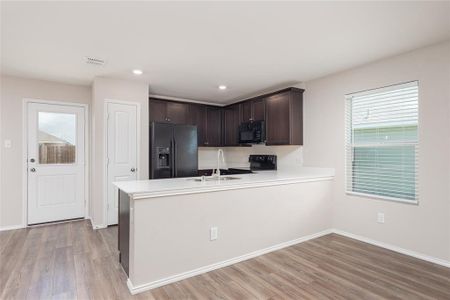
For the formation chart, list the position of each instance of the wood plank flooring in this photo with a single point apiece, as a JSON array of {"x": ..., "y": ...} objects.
[{"x": 71, "y": 261}]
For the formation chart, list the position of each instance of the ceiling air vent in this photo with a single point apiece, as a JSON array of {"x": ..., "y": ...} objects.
[{"x": 94, "y": 61}]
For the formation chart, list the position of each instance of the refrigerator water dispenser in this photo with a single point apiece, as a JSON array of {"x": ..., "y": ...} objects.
[{"x": 163, "y": 154}]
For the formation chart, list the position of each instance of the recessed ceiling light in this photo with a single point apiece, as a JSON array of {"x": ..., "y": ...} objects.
[
  {"x": 222, "y": 87},
  {"x": 137, "y": 72}
]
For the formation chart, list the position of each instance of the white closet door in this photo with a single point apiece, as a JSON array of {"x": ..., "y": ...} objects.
[{"x": 122, "y": 151}]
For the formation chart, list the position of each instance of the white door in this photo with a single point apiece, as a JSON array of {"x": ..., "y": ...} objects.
[
  {"x": 122, "y": 151},
  {"x": 55, "y": 162}
]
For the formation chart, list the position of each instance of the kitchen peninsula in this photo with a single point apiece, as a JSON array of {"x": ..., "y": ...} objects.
[{"x": 171, "y": 229}]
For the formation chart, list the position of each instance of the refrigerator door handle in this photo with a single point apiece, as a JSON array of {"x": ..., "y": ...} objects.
[
  {"x": 171, "y": 159},
  {"x": 175, "y": 158}
]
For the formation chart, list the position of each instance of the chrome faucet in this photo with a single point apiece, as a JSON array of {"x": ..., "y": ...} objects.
[{"x": 219, "y": 152}]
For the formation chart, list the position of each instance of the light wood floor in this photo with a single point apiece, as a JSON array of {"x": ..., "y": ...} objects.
[{"x": 68, "y": 261}]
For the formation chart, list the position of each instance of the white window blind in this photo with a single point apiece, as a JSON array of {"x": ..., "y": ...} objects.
[{"x": 382, "y": 142}]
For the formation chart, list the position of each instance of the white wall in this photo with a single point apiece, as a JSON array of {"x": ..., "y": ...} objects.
[
  {"x": 13, "y": 91},
  {"x": 287, "y": 156},
  {"x": 424, "y": 228},
  {"x": 248, "y": 220},
  {"x": 122, "y": 90}
]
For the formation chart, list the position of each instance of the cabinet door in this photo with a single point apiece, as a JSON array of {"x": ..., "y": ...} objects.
[
  {"x": 246, "y": 111},
  {"x": 253, "y": 110},
  {"x": 213, "y": 126},
  {"x": 177, "y": 112},
  {"x": 277, "y": 128},
  {"x": 197, "y": 117},
  {"x": 258, "y": 110},
  {"x": 231, "y": 125},
  {"x": 157, "y": 110}
]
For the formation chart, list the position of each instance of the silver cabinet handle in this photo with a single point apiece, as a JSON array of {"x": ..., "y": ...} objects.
[
  {"x": 32, "y": 170},
  {"x": 133, "y": 170}
]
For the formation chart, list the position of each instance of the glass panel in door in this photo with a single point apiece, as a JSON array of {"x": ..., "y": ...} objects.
[{"x": 57, "y": 138}]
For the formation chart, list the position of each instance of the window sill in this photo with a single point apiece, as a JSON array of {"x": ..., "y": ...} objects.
[{"x": 413, "y": 202}]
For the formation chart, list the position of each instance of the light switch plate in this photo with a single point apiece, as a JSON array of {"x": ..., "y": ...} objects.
[
  {"x": 8, "y": 144},
  {"x": 213, "y": 233},
  {"x": 380, "y": 218}
]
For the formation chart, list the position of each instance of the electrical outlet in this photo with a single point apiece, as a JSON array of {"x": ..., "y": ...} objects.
[
  {"x": 380, "y": 218},
  {"x": 213, "y": 233}
]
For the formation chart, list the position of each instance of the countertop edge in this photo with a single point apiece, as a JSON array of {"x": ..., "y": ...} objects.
[{"x": 206, "y": 189}]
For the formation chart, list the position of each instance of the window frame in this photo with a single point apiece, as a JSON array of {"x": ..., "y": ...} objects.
[{"x": 349, "y": 145}]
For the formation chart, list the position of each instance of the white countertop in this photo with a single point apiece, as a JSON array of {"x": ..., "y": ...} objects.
[{"x": 140, "y": 189}]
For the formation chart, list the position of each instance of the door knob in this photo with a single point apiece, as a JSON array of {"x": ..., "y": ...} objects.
[
  {"x": 133, "y": 170},
  {"x": 32, "y": 170},
  {"x": 32, "y": 160}
]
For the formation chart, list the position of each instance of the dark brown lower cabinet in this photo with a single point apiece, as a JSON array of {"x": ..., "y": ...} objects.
[
  {"x": 231, "y": 120},
  {"x": 124, "y": 231}
]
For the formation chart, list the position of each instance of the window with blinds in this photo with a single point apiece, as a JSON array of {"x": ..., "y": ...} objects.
[{"x": 382, "y": 142}]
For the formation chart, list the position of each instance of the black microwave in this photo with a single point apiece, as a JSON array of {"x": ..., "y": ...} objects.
[{"x": 252, "y": 132}]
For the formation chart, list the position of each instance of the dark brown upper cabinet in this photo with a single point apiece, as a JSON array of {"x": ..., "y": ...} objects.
[
  {"x": 231, "y": 121},
  {"x": 208, "y": 120},
  {"x": 177, "y": 113},
  {"x": 168, "y": 111},
  {"x": 157, "y": 110},
  {"x": 284, "y": 117},
  {"x": 219, "y": 126},
  {"x": 213, "y": 126},
  {"x": 253, "y": 110},
  {"x": 197, "y": 117}
]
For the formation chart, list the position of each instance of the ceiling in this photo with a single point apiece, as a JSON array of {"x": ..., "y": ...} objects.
[{"x": 186, "y": 49}]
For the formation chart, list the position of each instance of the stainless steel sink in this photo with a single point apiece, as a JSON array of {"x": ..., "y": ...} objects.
[
  {"x": 228, "y": 178},
  {"x": 221, "y": 178}
]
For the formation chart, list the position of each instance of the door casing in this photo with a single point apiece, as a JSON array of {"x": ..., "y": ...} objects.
[{"x": 25, "y": 103}]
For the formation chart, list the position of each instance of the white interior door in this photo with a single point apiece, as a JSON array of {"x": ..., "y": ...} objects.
[
  {"x": 55, "y": 162},
  {"x": 122, "y": 151}
]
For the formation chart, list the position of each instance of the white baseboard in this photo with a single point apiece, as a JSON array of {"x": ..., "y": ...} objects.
[
  {"x": 171, "y": 279},
  {"x": 99, "y": 226},
  {"x": 12, "y": 227},
  {"x": 414, "y": 254}
]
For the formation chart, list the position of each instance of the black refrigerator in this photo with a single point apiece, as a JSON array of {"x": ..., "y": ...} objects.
[{"x": 173, "y": 150}]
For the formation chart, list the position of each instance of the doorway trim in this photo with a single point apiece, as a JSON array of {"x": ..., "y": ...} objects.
[
  {"x": 25, "y": 103},
  {"x": 105, "y": 159}
]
